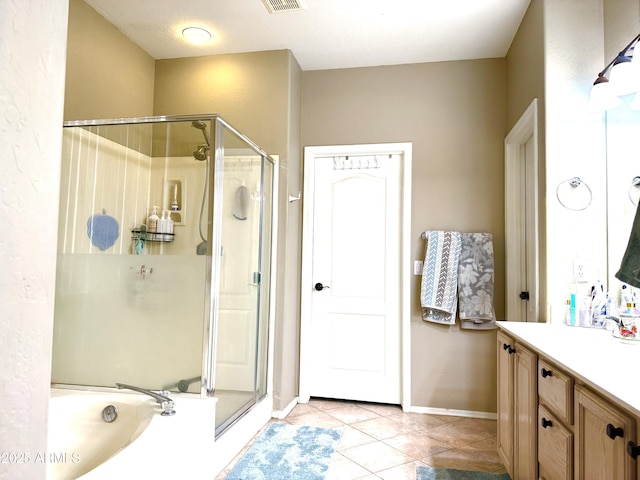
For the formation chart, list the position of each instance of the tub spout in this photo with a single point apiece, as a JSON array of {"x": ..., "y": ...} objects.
[{"x": 165, "y": 402}]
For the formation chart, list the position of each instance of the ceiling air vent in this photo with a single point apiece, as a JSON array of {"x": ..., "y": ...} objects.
[{"x": 279, "y": 6}]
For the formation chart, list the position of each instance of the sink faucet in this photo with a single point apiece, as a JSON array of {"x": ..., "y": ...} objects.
[{"x": 165, "y": 402}]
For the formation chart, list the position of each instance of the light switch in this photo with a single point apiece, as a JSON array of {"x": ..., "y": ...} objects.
[{"x": 417, "y": 267}]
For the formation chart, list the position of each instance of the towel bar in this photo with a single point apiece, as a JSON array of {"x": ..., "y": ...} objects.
[{"x": 425, "y": 234}]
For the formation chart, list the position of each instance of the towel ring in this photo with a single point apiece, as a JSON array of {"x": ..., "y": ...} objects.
[
  {"x": 635, "y": 183},
  {"x": 574, "y": 184}
]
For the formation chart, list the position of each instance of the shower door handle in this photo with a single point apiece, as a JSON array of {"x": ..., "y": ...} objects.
[
  {"x": 257, "y": 278},
  {"x": 319, "y": 287}
]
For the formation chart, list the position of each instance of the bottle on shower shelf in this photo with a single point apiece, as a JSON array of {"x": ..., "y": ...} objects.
[
  {"x": 162, "y": 224},
  {"x": 152, "y": 221},
  {"x": 174, "y": 203},
  {"x": 167, "y": 226}
]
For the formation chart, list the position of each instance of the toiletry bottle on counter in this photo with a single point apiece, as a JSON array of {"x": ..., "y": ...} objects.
[
  {"x": 567, "y": 312},
  {"x": 625, "y": 295},
  {"x": 152, "y": 221}
]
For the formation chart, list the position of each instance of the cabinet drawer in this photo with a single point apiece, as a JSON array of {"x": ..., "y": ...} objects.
[
  {"x": 555, "y": 391},
  {"x": 555, "y": 447}
]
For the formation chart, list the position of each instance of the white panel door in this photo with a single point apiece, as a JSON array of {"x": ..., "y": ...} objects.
[{"x": 355, "y": 300}]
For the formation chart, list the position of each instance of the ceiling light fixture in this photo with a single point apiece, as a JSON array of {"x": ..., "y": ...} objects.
[
  {"x": 623, "y": 78},
  {"x": 196, "y": 35}
]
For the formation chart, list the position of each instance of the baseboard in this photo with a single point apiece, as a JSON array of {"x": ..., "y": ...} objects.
[
  {"x": 454, "y": 413},
  {"x": 281, "y": 414}
]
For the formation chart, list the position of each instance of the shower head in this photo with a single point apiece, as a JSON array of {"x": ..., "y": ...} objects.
[
  {"x": 200, "y": 125},
  {"x": 201, "y": 153}
]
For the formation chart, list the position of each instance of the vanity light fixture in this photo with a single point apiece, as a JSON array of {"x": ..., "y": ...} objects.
[
  {"x": 196, "y": 35},
  {"x": 620, "y": 77}
]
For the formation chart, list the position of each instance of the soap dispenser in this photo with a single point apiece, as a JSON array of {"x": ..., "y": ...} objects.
[{"x": 152, "y": 221}]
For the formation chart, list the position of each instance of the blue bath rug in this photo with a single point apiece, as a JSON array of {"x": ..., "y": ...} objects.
[
  {"x": 431, "y": 473},
  {"x": 286, "y": 451}
]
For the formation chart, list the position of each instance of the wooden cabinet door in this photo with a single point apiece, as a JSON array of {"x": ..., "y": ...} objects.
[
  {"x": 597, "y": 455},
  {"x": 525, "y": 455},
  {"x": 505, "y": 349},
  {"x": 555, "y": 447}
]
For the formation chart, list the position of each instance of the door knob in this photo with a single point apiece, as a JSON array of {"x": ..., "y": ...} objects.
[{"x": 319, "y": 287}]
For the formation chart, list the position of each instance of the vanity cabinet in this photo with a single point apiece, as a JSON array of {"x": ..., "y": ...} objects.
[
  {"x": 554, "y": 423},
  {"x": 517, "y": 408}
]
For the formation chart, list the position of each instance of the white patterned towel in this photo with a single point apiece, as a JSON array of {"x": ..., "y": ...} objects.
[
  {"x": 475, "y": 282},
  {"x": 438, "y": 292}
]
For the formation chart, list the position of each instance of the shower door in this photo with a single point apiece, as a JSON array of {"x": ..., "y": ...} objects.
[
  {"x": 186, "y": 311},
  {"x": 241, "y": 321}
]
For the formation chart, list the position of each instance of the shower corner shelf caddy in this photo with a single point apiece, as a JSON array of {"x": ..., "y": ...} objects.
[{"x": 152, "y": 236}]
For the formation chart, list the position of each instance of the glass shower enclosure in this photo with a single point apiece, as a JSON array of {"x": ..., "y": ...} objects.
[{"x": 175, "y": 300}]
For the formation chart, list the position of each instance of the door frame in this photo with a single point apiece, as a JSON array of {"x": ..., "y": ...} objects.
[
  {"x": 515, "y": 169},
  {"x": 310, "y": 155}
]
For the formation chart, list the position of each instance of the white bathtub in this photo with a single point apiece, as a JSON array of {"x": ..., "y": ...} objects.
[
  {"x": 143, "y": 443},
  {"x": 146, "y": 445},
  {"x": 80, "y": 439}
]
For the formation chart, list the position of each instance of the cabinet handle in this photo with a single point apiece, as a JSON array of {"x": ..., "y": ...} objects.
[
  {"x": 511, "y": 350},
  {"x": 633, "y": 450},
  {"x": 508, "y": 348},
  {"x": 546, "y": 373},
  {"x": 546, "y": 423},
  {"x": 613, "y": 432}
]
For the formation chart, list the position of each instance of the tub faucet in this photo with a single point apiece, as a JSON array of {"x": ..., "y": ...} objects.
[{"x": 165, "y": 402}]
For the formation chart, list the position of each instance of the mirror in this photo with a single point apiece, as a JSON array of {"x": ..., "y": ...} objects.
[{"x": 623, "y": 182}]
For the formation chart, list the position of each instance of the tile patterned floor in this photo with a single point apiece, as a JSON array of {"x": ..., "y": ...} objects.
[{"x": 383, "y": 442}]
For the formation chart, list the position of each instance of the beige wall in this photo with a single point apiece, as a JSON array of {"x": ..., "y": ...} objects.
[
  {"x": 287, "y": 331},
  {"x": 621, "y": 24},
  {"x": 525, "y": 66},
  {"x": 97, "y": 56},
  {"x": 454, "y": 113},
  {"x": 525, "y": 82},
  {"x": 248, "y": 90}
]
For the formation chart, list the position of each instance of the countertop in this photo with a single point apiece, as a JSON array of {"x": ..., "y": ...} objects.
[{"x": 590, "y": 355}]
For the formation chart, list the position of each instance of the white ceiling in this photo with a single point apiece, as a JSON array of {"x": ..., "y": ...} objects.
[{"x": 329, "y": 34}]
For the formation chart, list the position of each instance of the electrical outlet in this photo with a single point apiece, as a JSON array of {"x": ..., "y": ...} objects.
[
  {"x": 579, "y": 272},
  {"x": 417, "y": 267}
]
